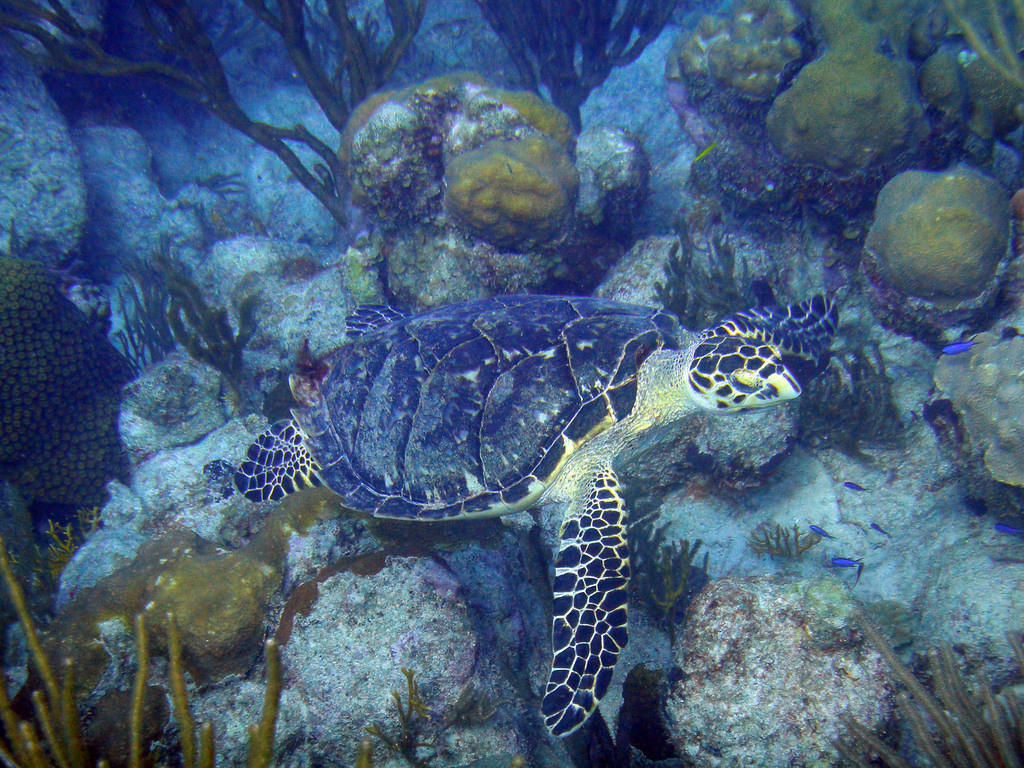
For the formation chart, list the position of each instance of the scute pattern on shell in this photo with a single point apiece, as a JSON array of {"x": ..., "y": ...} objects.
[{"x": 452, "y": 412}]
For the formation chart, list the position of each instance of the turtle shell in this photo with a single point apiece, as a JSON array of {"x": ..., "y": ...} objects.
[{"x": 470, "y": 409}]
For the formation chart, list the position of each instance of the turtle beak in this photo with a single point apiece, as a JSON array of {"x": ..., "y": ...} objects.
[{"x": 759, "y": 391}]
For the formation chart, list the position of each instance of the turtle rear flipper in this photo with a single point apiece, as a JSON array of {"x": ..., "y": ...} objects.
[
  {"x": 277, "y": 463},
  {"x": 589, "y": 613}
]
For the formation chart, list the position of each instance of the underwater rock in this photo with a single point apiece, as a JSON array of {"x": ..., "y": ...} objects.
[
  {"x": 769, "y": 667},
  {"x": 299, "y": 295},
  {"x": 614, "y": 173},
  {"x": 973, "y": 601},
  {"x": 173, "y": 402},
  {"x": 635, "y": 276},
  {"x": 986, "y": 389},
  {"x": 180, "y": 488},
  {"x": 346, "y": 650},
  {"x": 129, "y": 218},
  {"x": 428, "y": 269},
  {"x": 935, "y": 249},
  {"x": 42, "y": 192}
]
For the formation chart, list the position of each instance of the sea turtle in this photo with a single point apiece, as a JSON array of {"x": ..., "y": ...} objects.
[{"x": 480, "y": 409}]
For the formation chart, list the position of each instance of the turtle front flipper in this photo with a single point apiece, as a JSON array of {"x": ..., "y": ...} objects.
[
  {"x": 277, "y": 463},
  {"x": 589, "y": 615}
]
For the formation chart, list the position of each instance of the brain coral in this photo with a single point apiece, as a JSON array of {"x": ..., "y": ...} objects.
[
  {"x": 849, "y": 109},
  {"x": 939, "y": 235},
  {"x": 59, "y": 393},
  {"x": 987, "y": 388},
  {"x": 512, "y": 193}
]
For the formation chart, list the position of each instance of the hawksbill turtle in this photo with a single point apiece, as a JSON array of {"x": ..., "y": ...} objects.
[{"x": 487, "y": 407}]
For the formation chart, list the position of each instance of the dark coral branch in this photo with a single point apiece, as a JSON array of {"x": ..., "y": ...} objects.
[{"x": 544, "y": 50}]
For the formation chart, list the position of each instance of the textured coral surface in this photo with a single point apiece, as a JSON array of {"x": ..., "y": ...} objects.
[
  {"x": 59, "y": 393},
  {"x": 940, "y": 234}
]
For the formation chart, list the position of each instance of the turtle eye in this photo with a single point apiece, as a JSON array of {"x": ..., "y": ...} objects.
[{"x": 746, "y": 381}]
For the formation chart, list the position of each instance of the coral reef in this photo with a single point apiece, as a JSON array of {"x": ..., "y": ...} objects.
[
  {"x": 398, "y": 145},
  {"x": 770, "y": 669},
  {"x": 449, "y": 158},
  {"x": 59, "y": 394},
  {"x": 614, "y": 173},
  {"x": 831, "y": 107}
]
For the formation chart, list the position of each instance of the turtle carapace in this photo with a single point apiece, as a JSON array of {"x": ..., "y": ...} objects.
[{"x": 480, "y": 409}]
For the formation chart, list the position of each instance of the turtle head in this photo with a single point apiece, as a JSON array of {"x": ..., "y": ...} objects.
[{"x": 731, "y": 373}]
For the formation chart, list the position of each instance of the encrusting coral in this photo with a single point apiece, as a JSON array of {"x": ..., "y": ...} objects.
[{"x": 55, "y": 738}]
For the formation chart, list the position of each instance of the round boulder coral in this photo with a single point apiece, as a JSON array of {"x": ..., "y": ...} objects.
[
  {"x": 939, "y": 235},
  {"x": 513, "y": 193},
  {"x": 850, "y": 109}
]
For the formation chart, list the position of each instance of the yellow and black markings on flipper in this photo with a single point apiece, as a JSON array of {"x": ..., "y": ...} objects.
[
  {"x": 589, "y": 616},
  {"x": 276, "y": 464},
  {"x": 803, "y": 329}
]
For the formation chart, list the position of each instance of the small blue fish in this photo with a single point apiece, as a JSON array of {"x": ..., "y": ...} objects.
[
  {"x": 957, "y": 347},
  {"x": 1004, "y": 528},
  {"x": 854, "y": 486},
  {"x": 821, "y": 531},
  {"x": 880, "y": 529},
  {"x": 848, "y": 562}
]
